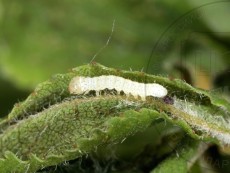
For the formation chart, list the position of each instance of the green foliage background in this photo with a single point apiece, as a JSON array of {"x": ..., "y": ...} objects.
[{"x": 42, "y": 38}]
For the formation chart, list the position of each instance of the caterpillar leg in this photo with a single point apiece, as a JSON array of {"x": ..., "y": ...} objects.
[{"x": 97, "y": 93}]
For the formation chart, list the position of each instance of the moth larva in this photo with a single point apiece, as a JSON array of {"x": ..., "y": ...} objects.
[{"x": 80, "y": 85}]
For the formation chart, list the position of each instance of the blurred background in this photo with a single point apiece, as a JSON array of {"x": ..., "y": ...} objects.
[{"x": 188, "y": 40}]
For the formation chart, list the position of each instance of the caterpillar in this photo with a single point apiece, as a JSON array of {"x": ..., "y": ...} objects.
[{"x": 81, "y": 85}]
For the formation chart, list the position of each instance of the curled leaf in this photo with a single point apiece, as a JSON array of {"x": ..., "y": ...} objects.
[{"x": 52, "y": 126}]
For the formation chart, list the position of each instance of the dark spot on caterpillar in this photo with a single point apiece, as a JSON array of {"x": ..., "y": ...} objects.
[
  {"x": 168, "y": 100},
  {"x": 107, "y": 91},
  {"x": 122, "y": 93}
]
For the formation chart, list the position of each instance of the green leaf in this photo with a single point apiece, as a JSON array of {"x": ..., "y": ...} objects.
[
  {"x": 52, "y": 126},
  {"x": 183, "y": 157}
]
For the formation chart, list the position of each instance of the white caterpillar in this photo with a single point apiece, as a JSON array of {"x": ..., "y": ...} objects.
[{"x": 80, "y": 85}]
